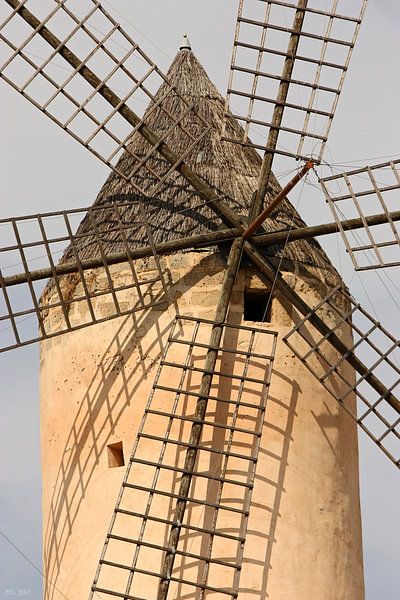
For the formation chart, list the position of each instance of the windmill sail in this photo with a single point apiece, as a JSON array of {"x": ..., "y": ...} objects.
[
  {"x": 31, "y": 248},
  {"x": 223, "y": 479},
  {"x": 377, "y": 414},
  {"x": 290, "y": 58},
  {"x": 191, "y": 214},
  {"x": 364, "y": 193},
  {"x": 76, "y": 64}
]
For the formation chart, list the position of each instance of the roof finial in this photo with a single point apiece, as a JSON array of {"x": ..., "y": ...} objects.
[{"x": 185, "y": 43}]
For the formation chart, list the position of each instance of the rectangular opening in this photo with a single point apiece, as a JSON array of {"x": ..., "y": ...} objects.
[
  {"x": 257, "y": 306},
  {"x": 115, "y": 455}
]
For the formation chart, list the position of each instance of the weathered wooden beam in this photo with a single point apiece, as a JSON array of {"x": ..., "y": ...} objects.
[
  {"x": 195, "y": 241},
  {"x": 277, "y": 116},
  {"x": 280, "y": 237},
  {"x": 201, "y": 241},
  {"x": 230, "y": 274}
]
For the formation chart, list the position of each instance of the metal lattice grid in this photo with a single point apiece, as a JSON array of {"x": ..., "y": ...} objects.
[
  {"x": 75, "y": 63},
  {"x": 261, "y": 51},
  {"x": 80, "y": 291},
  {"x": 362, "y": 193},
  {"x": 213, "y": 532},
  {"x": 378, "y": 415}
]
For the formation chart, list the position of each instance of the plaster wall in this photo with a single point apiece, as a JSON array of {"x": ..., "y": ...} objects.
[{"x": 303, "y": 534}]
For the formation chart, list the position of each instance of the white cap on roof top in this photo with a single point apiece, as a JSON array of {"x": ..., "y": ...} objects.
[{"x": 185, "y": 43}]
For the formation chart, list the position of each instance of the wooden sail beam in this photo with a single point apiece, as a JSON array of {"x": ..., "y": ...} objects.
[
  {"x": 304, "y": 233},
  {"x": 221, "y": 312},
  {"x": 202, "y": 240},
  {"x": 276, "y": 122},
  {"x": 195, "y": 241}
]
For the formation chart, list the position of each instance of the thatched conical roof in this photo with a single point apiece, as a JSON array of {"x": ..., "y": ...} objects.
[{"x": 177, "y": 211}]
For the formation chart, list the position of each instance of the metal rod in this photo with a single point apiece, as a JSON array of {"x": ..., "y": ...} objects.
[
  {"x": 299, "y": 57},
  {"x": 200, "y": 412},
  {"x": 228, "y": 350},
  {"x": 295, "y": 30},
  {"x": 190, "y": 499},
  {"x": 268, "y": 75},
  {"x": 281, "y": 103},
  {"x": 217, "y": 399},
  {"x": 277, "y": 200},
  {"x": 162, "y": 548},
  {"x": 165, "y": 521},
  {"x": 211, "y": 476},
  {"x": 210, "y": 449},
  {"x": 202, "y": 422},
  {"x": 254, "y": 121}
]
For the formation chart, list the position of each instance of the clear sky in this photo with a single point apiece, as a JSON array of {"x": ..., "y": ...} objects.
[{"x": 43, "y": 169}]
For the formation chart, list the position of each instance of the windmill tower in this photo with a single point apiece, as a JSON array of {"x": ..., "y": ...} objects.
[
  {"x": 225, "y": 343},
  {"x": 304, "y": 508}
]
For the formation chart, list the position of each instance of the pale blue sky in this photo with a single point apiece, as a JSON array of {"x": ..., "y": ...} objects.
[{"x": 43, "y": 169}]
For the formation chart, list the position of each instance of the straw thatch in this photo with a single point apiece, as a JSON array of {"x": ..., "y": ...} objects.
[{"x": 177, "y": 211}]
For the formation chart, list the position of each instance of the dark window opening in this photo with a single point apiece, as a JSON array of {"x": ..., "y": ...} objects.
[
  {"x": 257, "y": 307},
  {"x": 115, "y": 455}
]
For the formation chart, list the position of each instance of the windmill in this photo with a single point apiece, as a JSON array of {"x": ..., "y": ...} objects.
[{"x": 332, "y": 308}]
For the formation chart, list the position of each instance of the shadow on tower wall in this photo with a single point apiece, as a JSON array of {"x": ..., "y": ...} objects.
[{"x": 91, "y": 425}]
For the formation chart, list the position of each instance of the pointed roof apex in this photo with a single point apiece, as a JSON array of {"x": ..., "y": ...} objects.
[{"x": 185, "y": 43}]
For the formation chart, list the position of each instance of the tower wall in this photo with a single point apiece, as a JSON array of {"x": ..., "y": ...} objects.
[{"x": 304, "y": 531}]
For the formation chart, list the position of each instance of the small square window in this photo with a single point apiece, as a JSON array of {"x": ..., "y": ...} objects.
[
  {"x": 115, "y": 454},
  {"x": 257, "y": 307}
]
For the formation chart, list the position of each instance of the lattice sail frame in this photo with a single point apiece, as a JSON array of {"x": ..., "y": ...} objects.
[
  {"x": 236, "y": 409},
  {"x": 380, "y": 351},
  {"x": 102, "y": 115},
  {"x": 80, "y": 292},
  {"x": 362, "y": 193},
  {"x": 320, "y": 66}
]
